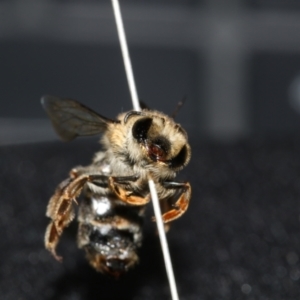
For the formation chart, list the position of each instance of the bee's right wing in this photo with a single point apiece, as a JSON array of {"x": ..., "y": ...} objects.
[{"x": 71, "y": 118}]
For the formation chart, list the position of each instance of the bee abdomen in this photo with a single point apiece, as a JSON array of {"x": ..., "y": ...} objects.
[
  {"x": 110, "y": 233},
  {"x": 111, "y": 240}
]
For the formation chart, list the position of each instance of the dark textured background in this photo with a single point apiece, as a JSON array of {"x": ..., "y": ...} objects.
[{"x": 238, "y": 240}]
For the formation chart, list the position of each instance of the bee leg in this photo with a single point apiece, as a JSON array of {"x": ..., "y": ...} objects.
[
  {"x": 130, "y": 197},
  {"x": 61, "y": 211},
  {"x": 117, "y": 184},
  {"x": 165, "y": 206},
  {"x": 182, "y": 203}
]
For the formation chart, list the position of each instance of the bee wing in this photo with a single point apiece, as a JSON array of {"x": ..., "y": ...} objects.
[{"x": 71, "y": 118}]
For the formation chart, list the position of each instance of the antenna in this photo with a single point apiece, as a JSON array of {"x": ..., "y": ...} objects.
[{"x": 136, "y": 106}]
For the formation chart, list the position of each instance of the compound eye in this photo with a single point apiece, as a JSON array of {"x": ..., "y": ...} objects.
[
  {"x": 181, "y": 158},
  {"x": 140, "y": 129},
  {"x": 156, "y": 152}
]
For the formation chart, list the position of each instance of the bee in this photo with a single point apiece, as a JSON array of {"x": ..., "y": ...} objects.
[{"x": 114, "y": 190}]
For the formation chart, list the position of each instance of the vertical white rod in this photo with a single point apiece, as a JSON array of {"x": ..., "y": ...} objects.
[
  {"x": 163, "y": 241},
  {"x": 136, "y": 106},
  {"x": 126, "y": 57}
]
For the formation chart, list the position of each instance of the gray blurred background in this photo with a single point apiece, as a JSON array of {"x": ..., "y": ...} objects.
[{"x": 236, "y": 61}]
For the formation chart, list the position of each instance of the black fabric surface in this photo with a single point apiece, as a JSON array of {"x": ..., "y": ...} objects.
[{"x": 238, "y": 240}]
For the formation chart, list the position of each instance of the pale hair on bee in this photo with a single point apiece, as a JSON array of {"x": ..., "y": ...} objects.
[{"x": 114, "y": 190}]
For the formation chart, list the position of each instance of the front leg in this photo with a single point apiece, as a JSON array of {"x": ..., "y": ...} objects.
[
  {"x": 181, "y": 205},
  {"x": 118, "y": 184}
]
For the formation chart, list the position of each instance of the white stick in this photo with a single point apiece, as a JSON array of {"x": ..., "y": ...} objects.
[
  {"x": 136, "y": 106},
  {"x": 163, "y": 241},
  {"x": 126, "y": 57}
]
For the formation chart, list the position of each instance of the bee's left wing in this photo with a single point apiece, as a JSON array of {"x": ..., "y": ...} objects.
[{"x": 71, "y": 118}]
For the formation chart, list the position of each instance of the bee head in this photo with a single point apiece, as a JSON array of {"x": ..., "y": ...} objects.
[{"x": 163, "y": 142}]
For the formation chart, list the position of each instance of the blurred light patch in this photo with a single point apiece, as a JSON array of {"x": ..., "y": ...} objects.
[
  {"x": 294, "y": 94},
  {"x": 20, "y": 131},
  {"x": 246, "y": 288}
]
